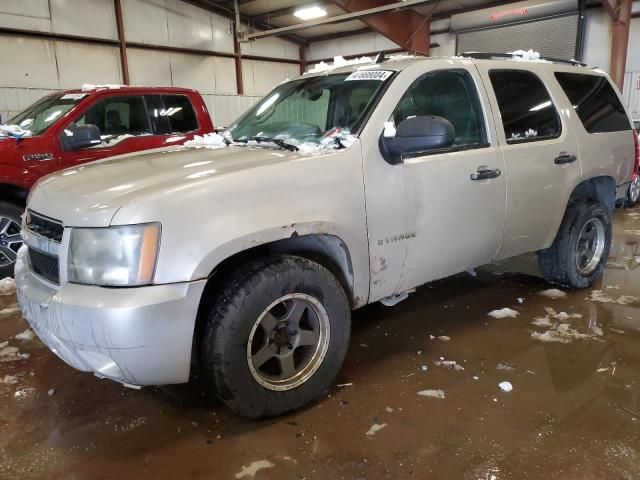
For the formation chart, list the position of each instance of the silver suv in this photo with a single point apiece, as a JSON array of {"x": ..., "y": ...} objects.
[{"x": 244, "y": 253}]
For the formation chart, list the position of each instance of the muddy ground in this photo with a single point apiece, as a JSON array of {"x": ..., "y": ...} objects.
[{"x": 573, "y": 413}]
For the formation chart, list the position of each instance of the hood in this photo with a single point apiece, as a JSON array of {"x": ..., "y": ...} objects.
[{"x": 90, "y": 195}]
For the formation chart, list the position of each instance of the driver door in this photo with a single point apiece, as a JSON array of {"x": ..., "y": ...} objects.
[{"x": 438, "y": 218}]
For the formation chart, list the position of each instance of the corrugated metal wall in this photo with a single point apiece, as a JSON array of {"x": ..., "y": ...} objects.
[
  {"x": 34, "y": 66},
  {"x": 552, "y": 37}
]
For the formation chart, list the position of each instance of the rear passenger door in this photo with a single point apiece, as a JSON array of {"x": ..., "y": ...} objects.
[{"x": 540, "y": 154}]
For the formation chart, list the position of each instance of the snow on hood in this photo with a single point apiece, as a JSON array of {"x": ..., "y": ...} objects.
[
  {"x": 209, "y": 140},
  {"x": 14, "y": 131},
  {"x": 338, "y": 61}
]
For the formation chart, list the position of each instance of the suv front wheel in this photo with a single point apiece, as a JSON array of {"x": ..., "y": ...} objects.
[
  {"x": 276, "y": 336},
  {"x": 10, "y": 239},
  {"x": 633, "y": 195},
  {"x": 580, "y": 250}
]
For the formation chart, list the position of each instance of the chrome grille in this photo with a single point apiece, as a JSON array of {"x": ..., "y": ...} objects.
[{"x": 44, "y": 226}]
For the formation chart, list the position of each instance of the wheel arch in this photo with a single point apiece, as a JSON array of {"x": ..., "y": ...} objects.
[
  {"x": 13, "y": 194},
  {"x": 601, "y": 189}
]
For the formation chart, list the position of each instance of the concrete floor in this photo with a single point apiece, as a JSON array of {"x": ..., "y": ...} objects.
[{"x": 574, "y": 412}]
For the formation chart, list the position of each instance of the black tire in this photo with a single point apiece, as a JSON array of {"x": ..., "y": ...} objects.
[
  {"x": 633, "y": 194},
  {"x": 12, "y": 212},
  {"x": 230, "y": 322},
  {"x": 558, "y": 263}
]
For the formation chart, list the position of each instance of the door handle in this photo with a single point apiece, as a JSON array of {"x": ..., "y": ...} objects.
[
  {"x": 565, "y": 158},
  {"x": 484, "y": 173}
]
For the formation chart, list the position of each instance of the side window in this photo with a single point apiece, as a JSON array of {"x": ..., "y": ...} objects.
[
  {"x": 528, "y": 114},
  {"x": 118, "y": 118},
  {"x": 450, "y": 94},
  {"x": 595, "y": 102},
  {"x": 179, "y": 111}
]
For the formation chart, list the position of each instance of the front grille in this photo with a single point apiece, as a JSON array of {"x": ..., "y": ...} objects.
[
  {"x": 43, "y": 226},
  {"x": 44, "y": 265}
]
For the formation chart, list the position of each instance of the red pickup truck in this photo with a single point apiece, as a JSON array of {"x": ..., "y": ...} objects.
[{"x": 77, "y": 126}]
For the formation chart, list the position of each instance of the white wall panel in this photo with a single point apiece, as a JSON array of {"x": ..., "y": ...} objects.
[
  {"x": 597, "y": 39},
  {"x": 149, "y": 67},
  {"x": 227, "y": 108},
  {"x": 353, "y": 45},
  {"x": 225, "y": 69},
  {"x": 447, "y": 42},
  {"x": 80, "y": 63},
  {"x": 633, "y": 52},
  {"x": 145, "y": 21},
  {"x": 193, "y": 71},
  {"x": 28, "y": 63},
  {"x": 261, "y": 77},
  {"x": 222, "y": 33},
  {"x": 189, "y": 26},
  {"x": 86, "y": 18},
  {"x": 25, "y": 15},
  {"x": 271, "y": 47}
]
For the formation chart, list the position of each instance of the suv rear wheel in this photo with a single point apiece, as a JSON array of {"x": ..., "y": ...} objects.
[
  {"x": 10, "y": 239},
  {"x": 276, "y": 336},
  {"x": 580, "y": 250},
  {"x": 633, "y": 195}
]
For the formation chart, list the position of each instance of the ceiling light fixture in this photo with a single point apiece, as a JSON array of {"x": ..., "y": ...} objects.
[{"x": 309, "y": 13}]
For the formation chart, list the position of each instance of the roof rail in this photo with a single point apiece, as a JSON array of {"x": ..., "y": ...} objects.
[{"x": 491, "y": 56}]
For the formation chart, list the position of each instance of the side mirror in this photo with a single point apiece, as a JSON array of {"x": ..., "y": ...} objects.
[
  {"x": 416, "y": 135},
  {"x": 82, "y": 136}
]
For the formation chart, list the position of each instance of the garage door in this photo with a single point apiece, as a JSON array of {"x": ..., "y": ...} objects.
[{"x": 552, "y": 37}]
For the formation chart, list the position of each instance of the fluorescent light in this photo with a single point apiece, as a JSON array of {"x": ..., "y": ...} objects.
[
  {"x": 309, "y": 13},
  {"x": 540, "y": 106}
]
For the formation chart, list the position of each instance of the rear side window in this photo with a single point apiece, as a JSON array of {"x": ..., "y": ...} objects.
[
  {"x": 527, "y": 112},
  {"x": 171, "y": 114},
  {"x": 595, "y": 102},
  {"x": 450, "y": 94}
]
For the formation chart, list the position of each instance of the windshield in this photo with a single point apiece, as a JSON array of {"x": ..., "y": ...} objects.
[
  {"x": 44, "y": 113},
  {"x": 311, "y": 110}
]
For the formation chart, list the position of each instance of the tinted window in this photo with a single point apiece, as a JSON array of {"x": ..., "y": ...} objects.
[
  {"x": 179, "y": 112},
  {"x": 117, "y": 118},
  {"x": 595, "y": 102},
  {"x": 450, "y": 94},
  {"x": 527, "y": 112}
]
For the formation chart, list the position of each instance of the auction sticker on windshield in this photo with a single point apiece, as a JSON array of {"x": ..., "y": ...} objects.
[
  {"x": 73, "y": 96},
  {"x": 381, "y": 75}
]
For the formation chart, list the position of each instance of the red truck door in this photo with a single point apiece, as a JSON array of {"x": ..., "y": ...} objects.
[{"x": 130, "y": 123}]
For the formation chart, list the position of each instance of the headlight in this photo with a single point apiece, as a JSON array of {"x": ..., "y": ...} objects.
[{"x": 114, "y": 256}]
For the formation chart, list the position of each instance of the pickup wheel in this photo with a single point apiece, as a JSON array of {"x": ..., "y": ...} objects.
[
  {"x": 10, "y": 239},
  {"x": 580, "y": 250},
  {"x": 275, "y": 336}
]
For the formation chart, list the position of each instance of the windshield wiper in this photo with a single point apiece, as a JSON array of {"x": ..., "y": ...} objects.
[{"x": 276, "y": 141}]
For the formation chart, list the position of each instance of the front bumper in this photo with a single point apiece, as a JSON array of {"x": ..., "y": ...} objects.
[{"x": 137, "y": 336}]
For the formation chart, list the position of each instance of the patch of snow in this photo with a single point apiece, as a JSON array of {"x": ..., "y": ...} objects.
[
  {"x": 633, "y": 232},
  {"x": 389, "y": 130},
  {"x": 398, "y": 58},
  {"x": 9, "y": 380},
  {"x": 208, "y": 140},
  {"x": 553, "y": 293},
  {"x": 527, "y": 56},
  {"x": 432, "y": 393},
  {"x": 448, "y": 364},
  {"x": 88, "y": 87},
  {"x": 11, "y": 354},
  {"x": 338, "y": 61},
  {"x": 51, "y": 392},
  {"x": 503, "y": 313},
  {"x": 253, "y": 468},
  {"x": 504, "y": 366},
  {"x": 388, "y": 409},
  {"x": 520, "y": 300},
  {"x": 542, "y": 322},
  {"x": 9, "y": 311},
  {"x": 505, "y": 386},
  {"x": 114, "y": 140},
  {"x": 14, "y": 131},
  {"x": 25, "y": 336},
  {"x": 376, "y": 427},
  {"x": 7, "y": 286},
  {"x": 444, "y": 338},
  {"x": 602, "y": 297}
]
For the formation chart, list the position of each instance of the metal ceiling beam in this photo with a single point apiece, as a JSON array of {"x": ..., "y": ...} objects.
[{"x": 352, "y": 15}]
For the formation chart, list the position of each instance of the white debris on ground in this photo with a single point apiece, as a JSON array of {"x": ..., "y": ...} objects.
[
  {"x": 553, "y": 293},
  {"x": 432, "y": 393},
  {"x": 51, "y": 392},
  {"x": 527, "y": 56},
  {"x": 505, "y": 367},
  {"x": 388, "y": 409},
  {"x": 448, "y": 364},
  {"x": 376, "y": 427},
  {"x": 88, "y": 87},
  {"x": 9, "y": 380},
  {"x": 503, "y": 313},
  {"x": 338, "y": 61},
  {"x": 9, "y": 311},
  {"x": 389, "y": 130},
  {"x": 14, "y": 131},
  {"x": 444, "y": 338},
  {"x": 253, "y": 468},
  {"x": 505, "y": 386},
  {"x": 208, "y": 140},
  {"x": 520, "y": 300},
  {"x": 602, "y": 297},
  {"x": 560, "y": 332},
  {"x": 11, "y": 354},
  {"x": 25, "y": 336},
  {"x": 7, "y": 286}
]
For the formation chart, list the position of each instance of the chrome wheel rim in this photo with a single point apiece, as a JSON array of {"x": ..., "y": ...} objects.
[
  {"x": 10, "y": 241},
  {"x": 590, "y": 247},
  {"x": 288, "y": 342},
  {"x": 634, "y": 189}
]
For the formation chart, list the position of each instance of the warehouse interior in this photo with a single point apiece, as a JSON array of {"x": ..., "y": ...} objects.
[{"x": 491, "y": 371}]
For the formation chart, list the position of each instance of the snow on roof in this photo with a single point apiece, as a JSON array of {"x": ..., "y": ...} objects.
[
  {"x": 338, "y": 61},
  {"x": 527, "y": 56},
  {"x": 88, "y": 87}
]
